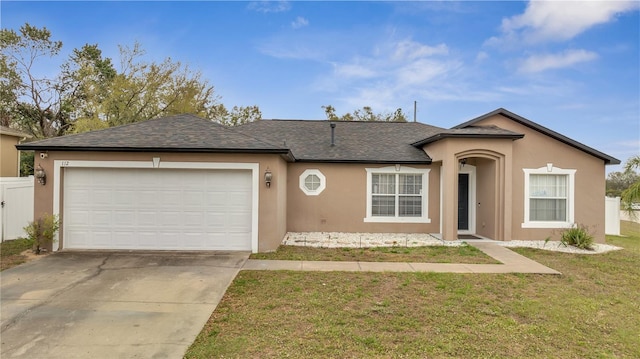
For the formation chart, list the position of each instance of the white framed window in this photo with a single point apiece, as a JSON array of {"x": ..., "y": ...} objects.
[
  {"x": 549, "y": 197},
  {"x": 397, "y": 194},
  {"x": 312, "y": 182}
]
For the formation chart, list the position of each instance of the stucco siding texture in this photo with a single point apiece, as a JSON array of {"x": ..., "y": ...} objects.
[
  {"x": 535, "y": 150},
  {"x": 9, "y": 156},
  {"x": 341, "y": 207}
]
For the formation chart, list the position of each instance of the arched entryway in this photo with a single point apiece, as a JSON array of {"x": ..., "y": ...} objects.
[{"x": 481, "y": 199}]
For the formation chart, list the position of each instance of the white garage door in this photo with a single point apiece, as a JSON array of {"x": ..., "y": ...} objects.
[{"x": 157, "y": 209}]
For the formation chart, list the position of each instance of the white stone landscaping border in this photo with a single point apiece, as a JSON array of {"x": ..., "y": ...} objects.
[
  {"x": 557, "y": 246},
  {"x": 367, "y": 240}
]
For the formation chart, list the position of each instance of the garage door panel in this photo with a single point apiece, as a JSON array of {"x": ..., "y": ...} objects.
[
  {"x": 157, "y": 209},
  {"x": 101, "y": 219},
  {"x": 125, "y": 218},
  {"x": 124, "y": 239},
  {"x": 170, "y": 199},
  {"x": 145, "y": 239},
  {"x": 195, "y": 219},
  {"x": 147, "y": 218},
  {"x": 77, "y": 236},
  {"x": 79, "y": 196},
  {"x": 194, "y": 198},
  {"x": 123, "y": 198},
  {"x": 239, "y": 222},
  {"x": 101, "y": 197},
  {"x": 76, "y": 218}
]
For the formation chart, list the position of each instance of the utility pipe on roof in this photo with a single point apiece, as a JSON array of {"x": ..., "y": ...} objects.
[{"x": 333, "y": 134}]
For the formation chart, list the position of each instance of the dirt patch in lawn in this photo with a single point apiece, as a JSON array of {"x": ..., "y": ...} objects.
[{"x": 16, "y": 252}]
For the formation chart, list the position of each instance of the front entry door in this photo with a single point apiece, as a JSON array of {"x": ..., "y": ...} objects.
[{"x": 463, "y": 201}]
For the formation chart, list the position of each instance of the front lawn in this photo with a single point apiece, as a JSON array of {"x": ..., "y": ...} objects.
[
  {"x": 591, "y": 311},
  {"x": 428, "y": 254},
  {"x": 10, "y": 252}
]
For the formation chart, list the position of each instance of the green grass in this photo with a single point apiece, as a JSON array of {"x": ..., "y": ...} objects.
[
  {"x": 10, "y": 252},
  {"x": 429, "y": 254},
  {"x": 591, "y": 311}
]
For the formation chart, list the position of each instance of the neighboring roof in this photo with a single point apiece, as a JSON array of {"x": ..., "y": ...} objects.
[
  {"x": 362, "y": 142},
  {"x": 180, "y": 133},
  {"x": 555, "y": 135},
  {"x": 492, "y": 132},
  {"x": 8, "y": 131}
]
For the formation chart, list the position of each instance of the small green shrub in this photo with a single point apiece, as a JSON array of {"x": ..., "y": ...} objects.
[
  {"x": 577, "y": 236},
  {"x": 42, "y": 231}
]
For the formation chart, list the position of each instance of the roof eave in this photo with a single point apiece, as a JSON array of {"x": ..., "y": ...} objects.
[
  {"x": 609, "y": 160},
  {"x": 442, "y": 136},
  {"x": 27, "y": 147},
  {"x": 408, "y": 162}
]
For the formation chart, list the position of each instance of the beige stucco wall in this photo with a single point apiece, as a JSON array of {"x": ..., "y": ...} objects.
[
  {"x": 535, "y": 150},
  {"x": 447, "y": 153},
  {"x": 9, "y": 157},
  {"x": 341, "y": 207},
  {"x": 272, "y": 201}
]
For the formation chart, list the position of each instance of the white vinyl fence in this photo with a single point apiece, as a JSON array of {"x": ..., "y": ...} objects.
[
  {"x": 16, "y": 206},
  {"x": 612, "y": 216}
]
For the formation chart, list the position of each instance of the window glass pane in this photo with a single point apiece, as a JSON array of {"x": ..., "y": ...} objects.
[
  {"x": 410, "y": 183},
  {"x": 312, "y": 182},
  {"x": 548, "y": 186},
  {"x": 383, "y": 183},
  {"x": 410, "y": 206},
  {"x": 548, "y": 210},
  {"x": 383, "y": 206}
]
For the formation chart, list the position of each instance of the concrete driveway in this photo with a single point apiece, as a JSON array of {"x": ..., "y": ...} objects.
[{"x": 111, "y": 305}]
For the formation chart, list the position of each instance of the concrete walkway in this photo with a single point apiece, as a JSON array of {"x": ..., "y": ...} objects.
[{"x": 512, "y": 262}]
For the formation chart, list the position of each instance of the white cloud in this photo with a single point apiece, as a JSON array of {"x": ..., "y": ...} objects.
[
  {"x": 353, "y": 71},
  {"x": 299, "y": 22},
  {"x": 559, "y": 20},
  {"x": 423, "y": 71},
  {"x": 409, "y": 50},
  {"x": 393, "y": 73},
  {"x": 269, "y": 6},
  {"x": 538, "y": 63},
  {"x": 481, "y": 56}
]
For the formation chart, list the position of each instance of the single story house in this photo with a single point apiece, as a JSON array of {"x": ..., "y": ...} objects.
[
  {"x": 9, "y": 155},
  {"x": 185, "y": 183}
]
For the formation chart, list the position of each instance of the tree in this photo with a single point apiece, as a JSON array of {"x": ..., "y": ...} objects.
[
  {"x": 617, "y": 182},
  {"x": 139, "y": 91},
  {"x": 365, "y": 114},
  {"x": 631, "y": 195},
  {"x": 28, "y": 100},
  {"x": 90, "y": 93},
  {"x": 239, "y": 115}
]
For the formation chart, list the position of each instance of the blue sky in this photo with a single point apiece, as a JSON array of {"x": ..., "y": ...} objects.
[{"x": 571, "y": 66}]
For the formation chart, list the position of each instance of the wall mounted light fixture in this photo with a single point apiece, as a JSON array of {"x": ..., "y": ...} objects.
[
  {"x": 40, "y": 175},
  {"x": 462, "y": 162},
  {"x": 268, "y": 177}
]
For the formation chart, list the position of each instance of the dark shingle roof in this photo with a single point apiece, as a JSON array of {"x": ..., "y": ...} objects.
[
  {"x": 555, "y": 135},
  {"x": 379, "y": 142},
  {"x": 363, "y": 142},
  {"x": 168, "y": 134}
]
